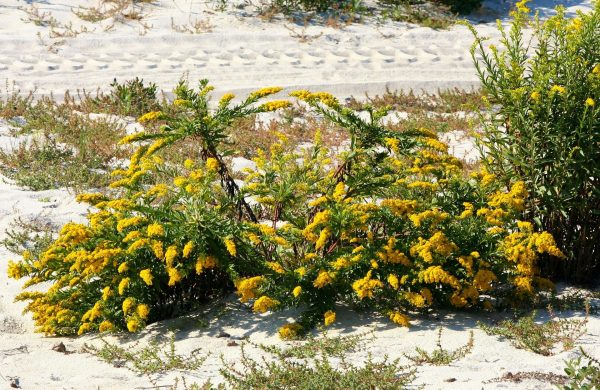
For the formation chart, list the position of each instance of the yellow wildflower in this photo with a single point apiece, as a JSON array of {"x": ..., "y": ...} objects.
[
  {"x": 187, "y": 249},
  {"x": 535, "y": 96},
  {"x": 155, "y": 230},
  {"x": 297, "y": 291},
  {"x": 174, "y": 276},
  {"x": 105, "y": 326},
  {"x": 128, "y": 304},
  {"x": 393, "y": 281},
  {"x": 264, "y": 304},
  {"x": 365, "y": 287},
  {"x": 146, "y": 276},
  {"x": 589, "y": 102},
  {"x": 323, "y": 279},
  {"x": 323, "y": 237},
  {"x": 133, "y": 325},
  {"x": 143, "y": 311},
  {"x": 212, "y": 164},
  {"x": 225, "y": 99},
  {"x": 558, "y": 89},
  {"x": 247, "y": 287},
  {"x": 290, "y": 331},
  {"x": 150, "y": 116},
  {"x": 170, "y": 255},
  {"x": 274, "y": 105},
  {"x": 399, "y": 318},
  {"x": 123, "y": 284},
  {"x": 329, "y": 317},
  {"x": 230, "y": 246},
  {"x": 264, "y": 92},
  {"x": 275, "y": 267},
  {"x": 122, "y": 268},
  {"x": 339, "y": 192}
]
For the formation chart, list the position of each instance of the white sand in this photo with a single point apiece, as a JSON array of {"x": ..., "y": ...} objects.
[{"x": 240, "y": 53}]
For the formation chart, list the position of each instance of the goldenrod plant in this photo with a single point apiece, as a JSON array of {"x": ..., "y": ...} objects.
[
  {"x": 546, "y": 132},
  {"x": 388, "y": 222}
]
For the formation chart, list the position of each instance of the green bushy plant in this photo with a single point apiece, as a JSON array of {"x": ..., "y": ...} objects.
[
  {"x": 388, "y": 222},
  {"x": 582, "y": 376},
  {"x": 546, "y": 131}
]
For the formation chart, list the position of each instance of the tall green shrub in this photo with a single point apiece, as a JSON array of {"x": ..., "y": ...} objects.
[{"x": 547, "y": 129}]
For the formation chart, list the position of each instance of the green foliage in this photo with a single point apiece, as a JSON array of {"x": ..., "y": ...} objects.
[
  {"x": 155, "y": 358},
  {"x": 32, "y": 236},
  {"x": 539, "y": 338},
  {"x": 132, "y": 97},
  {"x": 582, "y": 376},
  {"x": 389, "y": 222},
  {"x": 441, "y": 356},
  {"x": 317, "y": 373},
  {"x": 312, "y": 346},
  {"x": 546, "y": 130}
]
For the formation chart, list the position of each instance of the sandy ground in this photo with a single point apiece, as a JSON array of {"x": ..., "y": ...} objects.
[{"x": 239, "y": 52}]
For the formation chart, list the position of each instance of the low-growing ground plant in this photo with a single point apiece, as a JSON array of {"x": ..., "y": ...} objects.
[
  {"x": 154, "y": 358},
  {"x": 540, "y": 338},
  {"x": 317, "y": 368},
  {"x": 441, "y": 356},
  {"x": 388, "y": 222},
  {"x": 583, "y": 376},
  {"x": 29, "y": 237},
  {"x": 546, "y": 129}
]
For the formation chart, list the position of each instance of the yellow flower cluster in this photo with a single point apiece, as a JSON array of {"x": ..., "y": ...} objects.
[
  {"x": 438, "y": 243},
  {"x": 366, "y": 286},
  {"x": 264, "y": 304},
  {"x": 329, "y": 317},
  {"x": 323, "y": 279},
  {"x": 436, "y": 274},
  {"x": 246, "y": 288},
  {"x": 290, "y": 331}
]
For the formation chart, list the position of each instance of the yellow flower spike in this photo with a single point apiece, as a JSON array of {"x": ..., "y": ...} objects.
[
  {"x": 323, "y": 237},
  {"x": 399, "y": 318},
  {"x": 290, "y": 331},
  {"x": 155, "y": 230},
  {"x": 226, "y": 99},
  {"x": 264, "y": 304},
  {"x": 143, "y": 311},
  {"x": 128, "y": 304},
  {"x": 174, "y": 276},
  {"x": 187, "y": 249},
  {"x": 106, "y": 326},
  {"x": 230, "y": 246},
  {"x": 247, "y": 287},
  {"x": 329, "y": 317},
  {"x": 212, "y": 164},
  {"x": 180, "y": 102},
  {"x": 393, "y": 281},
  {"x": 265, "y": 92},
  {"x": 340, "y": 192},
  {"x": 297, "y": 291},
  {"x": 323, "y": 279},
  {"x": 133, "y": 325},
  {"x": 170, "y": 255},
  {"x": 275, "y": 267},
  {"x": 558, "y": 89},
  {"x": 146, "y": 276},
  {"x": 150, "y": 116},
  {"x": 589, "y": 102},
  {"x": 122, "y": 268},
  {"x": 275, "y": 105},
  {"x": 535, "y": 96},
  {"x": 132, "y": 138},
  {"x": 180, "y": 181},
  {"x": 123, "y": 284}
]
